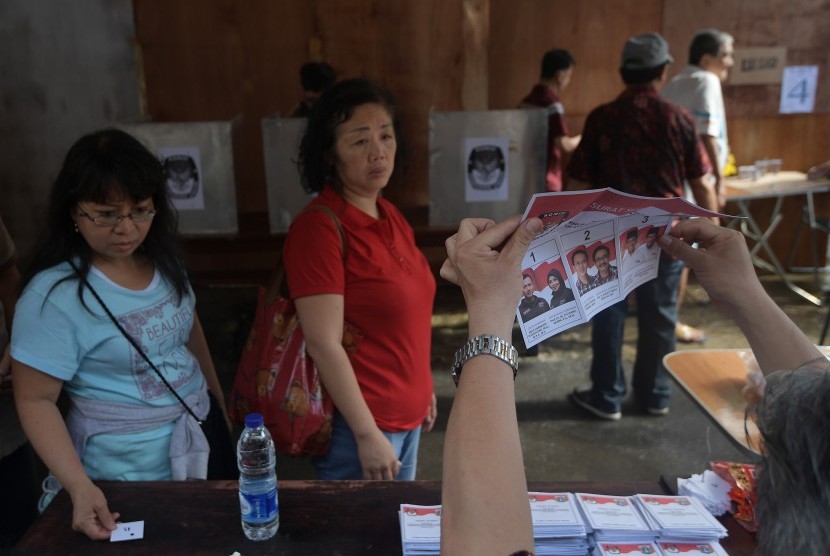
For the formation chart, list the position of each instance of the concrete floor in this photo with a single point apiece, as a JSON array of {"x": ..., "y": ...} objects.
[{"x": 560, "y": 441}]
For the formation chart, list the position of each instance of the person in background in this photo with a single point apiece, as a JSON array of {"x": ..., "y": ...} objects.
[
  {"x": 698, "y": 89},
  {"x": 17, "y": 462},
  {"x": 641, "y": 144},
  {"x": 555, "y": 75},
  {"x": 315, "y": 77},
  {"x": 793, "y": 414},
  {"x": 383, "y": 289},
  {"x": 111, "y": 227}
]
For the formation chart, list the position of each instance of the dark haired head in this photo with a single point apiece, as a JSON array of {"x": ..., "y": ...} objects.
[
  {"x": 577, "y": 252},
  {"x": 555, "y": 60},
  {"x": 316, "y": 158},
  {"x": 707, "y": 41},
  {"x": 102, "y": 166},
  {"x": 317, "y": 76},
  {"x": 641, "y": 76},
  {"x": 632, "y": 234},
  {"x": 651, "y": 231},
  {"x": 794, "y": 480},
  {"x": 602, "y": 248},
  {"x": 556, "y": 274}
]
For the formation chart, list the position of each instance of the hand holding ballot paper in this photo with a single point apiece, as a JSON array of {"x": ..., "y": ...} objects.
[{"x": 603, "y": 241}]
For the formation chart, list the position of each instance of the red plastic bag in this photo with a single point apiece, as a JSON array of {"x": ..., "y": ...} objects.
[{"x": 278, "y": 379}]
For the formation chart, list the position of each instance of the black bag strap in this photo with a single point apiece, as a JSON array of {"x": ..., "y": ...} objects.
[
  {"x": 132, "y": 341},
  {"x": 277, "y": 285}
]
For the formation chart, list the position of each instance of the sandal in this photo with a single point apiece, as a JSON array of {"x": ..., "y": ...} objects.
[{"x": 689, "y": 334}]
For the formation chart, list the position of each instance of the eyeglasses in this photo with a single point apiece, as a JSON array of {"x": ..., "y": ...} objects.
[{"x": 110, "y": 220}]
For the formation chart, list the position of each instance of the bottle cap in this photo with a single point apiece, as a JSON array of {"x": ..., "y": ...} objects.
[{"x": 254, "y": 420}]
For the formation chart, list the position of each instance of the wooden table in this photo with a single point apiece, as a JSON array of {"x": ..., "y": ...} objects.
[
  {"x": 772, "y": 186},
  {"x": 317, "y": 518},
  {"x": 715, "y": 380}
]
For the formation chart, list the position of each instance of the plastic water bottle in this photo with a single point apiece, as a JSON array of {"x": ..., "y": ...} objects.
[{"x": 257, "y": 480}]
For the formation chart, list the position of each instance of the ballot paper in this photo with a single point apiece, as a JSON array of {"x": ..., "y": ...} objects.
[
  {"x": 596, "y": 247},
  {"x": 558, "y": 527},
  {"x": 420, "y": 529},
  {"x": 614, "y": 517},
  {"x": 679, "y": 518}
]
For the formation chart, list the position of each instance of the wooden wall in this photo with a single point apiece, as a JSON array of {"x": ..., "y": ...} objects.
[{"x": 215, "y": 59}]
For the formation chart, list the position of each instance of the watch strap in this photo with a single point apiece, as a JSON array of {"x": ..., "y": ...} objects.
[{"x": 485, "y": 344}]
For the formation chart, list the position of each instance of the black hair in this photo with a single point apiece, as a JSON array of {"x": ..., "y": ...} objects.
[
  {"x": 555, "y": 60},
  {"x": 317, "y": 76},
  {"x": 652, "y": 231},
  {"x": 316, "y": 158},
  {"x": 794, "y": 477},
  {"x": 707, "y": 41},
  {"x": 632, "y": 233},
  {"x": 98, "y": 165},
  {"x": 577, "y": 252},
  {"x": 641, "y": 76},
  {"x": 556, "y": 274},
  {"x": 601, "y": 247}
]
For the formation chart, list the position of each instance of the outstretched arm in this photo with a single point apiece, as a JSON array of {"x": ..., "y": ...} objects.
[
  {"x": 36, "y": 395},
  {"x": 723, "y": 267},
  {"x": 484, "y": 492}
]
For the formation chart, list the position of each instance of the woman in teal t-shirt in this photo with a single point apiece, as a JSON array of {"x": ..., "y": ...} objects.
[{"x": 111, "y": 229}]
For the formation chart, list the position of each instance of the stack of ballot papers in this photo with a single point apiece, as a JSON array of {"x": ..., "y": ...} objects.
[
  {"x": 558, "y": 528},
  {"x": 679, "y": 518},
  {"x": 420, "y": 529},
  {"x": 659, "y": 548},
  {"x": 614, "y": 518},
  {"x": 708, "y": 489},
  {"x": 567, "y": 524}
]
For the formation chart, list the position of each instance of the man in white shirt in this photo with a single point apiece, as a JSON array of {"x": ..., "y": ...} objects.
[{"x": 698, "y": 89}]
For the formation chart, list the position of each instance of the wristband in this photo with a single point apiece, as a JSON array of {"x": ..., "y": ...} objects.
[{"x": 486, "y": 344}]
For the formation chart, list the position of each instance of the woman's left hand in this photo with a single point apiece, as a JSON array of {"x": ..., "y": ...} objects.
[{"x": 432, "y": 414}]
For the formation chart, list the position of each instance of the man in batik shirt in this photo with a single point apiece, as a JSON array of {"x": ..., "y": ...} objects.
[{"x": 641, "y": 144}]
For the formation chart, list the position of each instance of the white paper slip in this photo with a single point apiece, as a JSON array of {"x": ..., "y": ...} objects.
[
  {"x": 610, "y": 512},
  {"x": 420, "y": 529},
  {"x": 678, "y": 512},
  {"x": 557, "y": 509},
  {"x": 130, "y": 531}
]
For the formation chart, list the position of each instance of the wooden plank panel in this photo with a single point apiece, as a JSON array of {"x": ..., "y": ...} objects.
[
  {"x": 416, "y": 49},
  {"x": 798, "y": 25},
  {"x": 217, "y": 60},
  {"x": 593, "y": 31}
]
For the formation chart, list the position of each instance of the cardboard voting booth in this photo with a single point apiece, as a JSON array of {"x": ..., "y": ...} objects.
[
  {"x": 286, "y": 196},
  {"x": 485, "y": 164},
  {"x": 199, "y": 162}
]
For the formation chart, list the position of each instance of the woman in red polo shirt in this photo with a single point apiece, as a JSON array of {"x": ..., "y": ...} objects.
[{"x": 381, "y": 287}]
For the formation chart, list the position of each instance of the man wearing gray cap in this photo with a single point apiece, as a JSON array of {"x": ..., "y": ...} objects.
[{"x": 643, "y": 144}]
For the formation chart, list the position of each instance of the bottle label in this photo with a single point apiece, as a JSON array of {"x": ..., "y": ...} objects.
[{"x": 258, "y": 508}]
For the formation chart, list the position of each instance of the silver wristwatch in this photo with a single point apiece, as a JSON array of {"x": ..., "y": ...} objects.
[{"x": 486, "y": 344}]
